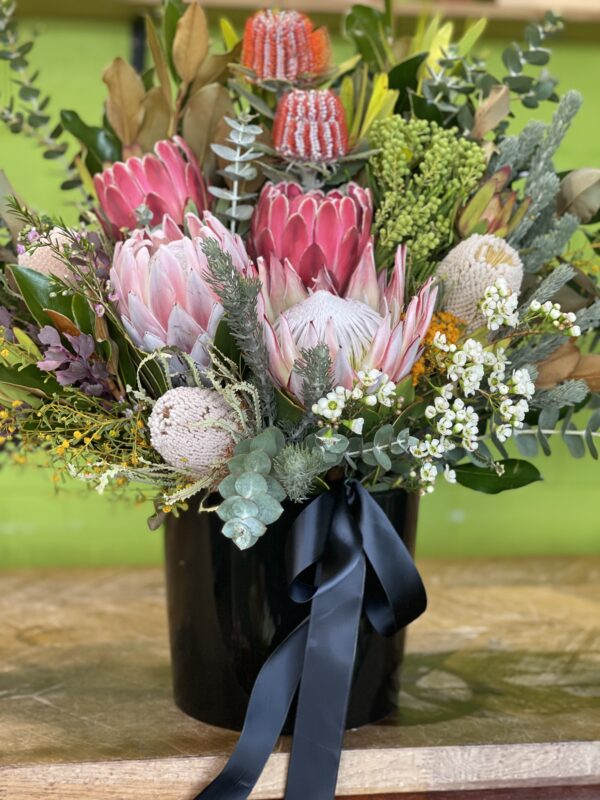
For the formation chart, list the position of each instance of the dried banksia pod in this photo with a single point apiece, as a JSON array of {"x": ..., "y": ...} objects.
[
  {"x": 470, "y": 268},
  {"x": 310, "y": 126},
  {"x": 193, "y": 429},
  {"x": 282, "y": 45}
]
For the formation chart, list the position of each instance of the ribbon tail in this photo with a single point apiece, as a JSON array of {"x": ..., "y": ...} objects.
[
  {"x": 269, "y": 704},
  {"x": 325, "y": 688}
]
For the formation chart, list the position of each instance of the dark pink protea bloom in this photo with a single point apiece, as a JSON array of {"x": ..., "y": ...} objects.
[
  {"x": 160, "y": 183},
  {"x": 311, "y": 126},
  {"x": 323, "y": 236},
  {"x": 282, "y": 45}
]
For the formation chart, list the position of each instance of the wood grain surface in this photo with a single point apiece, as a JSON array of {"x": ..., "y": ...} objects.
[{"x": 501, "y": 691}]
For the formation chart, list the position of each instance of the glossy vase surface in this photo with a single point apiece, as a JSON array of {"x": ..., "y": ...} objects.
[{"x": 229, "y": 609}]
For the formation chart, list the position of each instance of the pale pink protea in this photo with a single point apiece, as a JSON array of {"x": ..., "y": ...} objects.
[
  {"x": 160, "y": 286},
  {"x": 367, "y": 327},
  {"x": 310, "y": 126},
  {"x": 323, "y": 236},
  {"x": 160, "y": 183},
  {"x": 282, "y": 45}
]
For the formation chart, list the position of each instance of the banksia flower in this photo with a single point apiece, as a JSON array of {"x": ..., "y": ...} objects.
[
  {"x": 160, "y": 285},
  {"x": 473, "y": 266},
  {"x": 42, "y": 256},
  {"x": 193, "y": 430},
  {"x": 322, "y": 235},
  {"x": 282, "y": 45},
  {"x": 142, "y": 190},
  {"x": 367, "y": 327},
  {"x": 310, "y": 126}
]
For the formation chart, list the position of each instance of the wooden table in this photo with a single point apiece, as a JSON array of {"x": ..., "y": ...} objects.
[{"x": 501, "y": 692}]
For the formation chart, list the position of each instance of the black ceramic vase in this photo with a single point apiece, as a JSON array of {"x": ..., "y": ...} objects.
[{"x": 229, "y": 609}]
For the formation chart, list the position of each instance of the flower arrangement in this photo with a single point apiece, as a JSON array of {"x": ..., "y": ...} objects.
[{"x": 287, "y": 271}]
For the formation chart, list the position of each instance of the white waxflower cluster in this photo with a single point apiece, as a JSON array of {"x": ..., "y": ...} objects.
[
  {"x": 551, "y": 312},
  {"x": 467, "y": 365},
  {"x": 499, "y": 306},
  {"x": 371, "y": 388}
]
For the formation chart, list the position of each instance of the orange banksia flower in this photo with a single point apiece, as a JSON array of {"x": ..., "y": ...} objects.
[
  {"x": 442, "y": 322},
  {"x": 282, "y": 45},
  {"x": 311, "y": 126}
]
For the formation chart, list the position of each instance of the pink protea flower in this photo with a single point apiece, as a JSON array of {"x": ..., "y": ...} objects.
[
  {"x": 323, "y": 236},
  {"x": 282, "y": 45},
  {"x": 160, "y": 286},
  {"x": 367, "y": 327},
  {"x": 160, "y": 183},
  {"x": 311, "y": 126}
]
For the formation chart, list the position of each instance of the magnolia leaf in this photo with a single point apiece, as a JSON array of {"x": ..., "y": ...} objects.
[
  {"x": 190, "y": 46},
  {"x": 588, "y": 370},
  {"x": 39, "y": 294},
  {"x": 203, "y": 118},
  {"x": 160, "y": 63},
  {"x": 215, "y": 68},
  {"x": 515, "y": 473},
  {"x": 124, "y": 107},
  {"x": 579, "y": 194},
  {"x": 62, "y": 323},
  {"x": 157, "y": 116},
  {"x": 558, "y": 367},
  {"x": 492, "y": 111}
]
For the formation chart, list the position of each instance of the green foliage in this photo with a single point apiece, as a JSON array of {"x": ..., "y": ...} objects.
[
  {"x": 297, "y": 468},
  {"x": 507, "y": 474},
  {"x": 530, "y": 439},
  {"x": 239, "y": 298},
  {"x": 26, "y": 111},
  {"x": 236, "y": 205},
  {"x": 424, "y": 173},
  {"x": 315, "y": 371},
  {"x": 252, "y": 496}
]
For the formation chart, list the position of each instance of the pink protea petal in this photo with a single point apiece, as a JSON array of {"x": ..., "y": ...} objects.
[
  {"x": 374, "y": 356},
  {"x": 278, "y": 216},
  {"x": 311, "y": 264},
  {"x": 174, "y": 165},
  {"x": 394, "y": 294},
  {"x": 346, "y": 266},
  {"x": 142, "y": 318},
  {"x": 364, "y": 285},
  {"x": 280, "y": 370},
  {"x": 117, "y": 209},
  {"x": 327, "y": 233},
  {"x": 343, "y": 374},
  {"x": 182, "y": 330},
  {"x": 296, "y": 239},
  {"x": 127, "y": 183}
]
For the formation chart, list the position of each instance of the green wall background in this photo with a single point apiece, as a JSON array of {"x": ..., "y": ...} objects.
[{"x": 41, "y": 527}]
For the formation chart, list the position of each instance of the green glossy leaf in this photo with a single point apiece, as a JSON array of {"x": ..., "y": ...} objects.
[
  {"x": 286, "y": 408},
  {"x": 517, "y": 473},
  {"x": 404, "y": 77},
  {"x": 102, "y": 145},
  {"x": 36, "y": 290}
]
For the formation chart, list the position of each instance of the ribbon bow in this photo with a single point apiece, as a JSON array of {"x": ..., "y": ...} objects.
[{"x": 347, "y": 559}]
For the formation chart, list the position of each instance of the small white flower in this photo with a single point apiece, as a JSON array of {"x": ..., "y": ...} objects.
[
  {"x": 574, "y": 330},
  {"x": 449, "y": 474},
  {"x": 370, "y": 400},
  {"x": 428, "y": 472},
  {"x": 355, "y": 425}
]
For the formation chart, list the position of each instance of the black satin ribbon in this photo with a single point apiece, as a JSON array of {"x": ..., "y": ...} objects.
[{"x": 346, "y": 559}]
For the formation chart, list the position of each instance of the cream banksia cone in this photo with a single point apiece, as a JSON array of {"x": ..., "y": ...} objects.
[
  {"x": 42, "y": 256},
  {"x": 193, "y": 429},
  {"x": 470, "y": 268}
]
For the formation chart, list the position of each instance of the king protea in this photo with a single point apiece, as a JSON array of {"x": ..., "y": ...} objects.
[
  {"x": 160, "y": 287},
  {"x": 366, "y": 326}
]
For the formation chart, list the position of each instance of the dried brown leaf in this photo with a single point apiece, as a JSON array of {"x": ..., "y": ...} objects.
[
  {"x": 124, "y": 107},
  {"x": 492, "y": 111},
  {"x": 190, "y": 45},
  {"x": 580, "y": 194},
  {"x": 203, "y": 118},
  {"x": 588, "y": 370},
  {"x": 558, "y": 367},
  {"x": 157, "y": 116},
  {"x": 214, "y": 69},
  {"x": 160, "y": 62}
]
